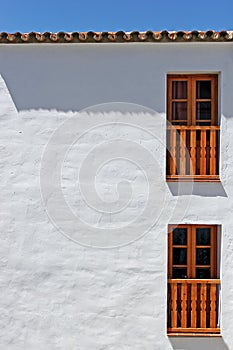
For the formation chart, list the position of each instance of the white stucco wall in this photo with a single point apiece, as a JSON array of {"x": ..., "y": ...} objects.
[{"x": 100, "y": 282}]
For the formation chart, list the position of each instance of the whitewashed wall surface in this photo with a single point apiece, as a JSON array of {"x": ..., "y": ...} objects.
[{"x": 84, "y": 204}]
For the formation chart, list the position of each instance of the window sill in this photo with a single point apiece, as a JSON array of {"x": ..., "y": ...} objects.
[
  {"x": 218, "y": 335},
  {"x": 199, "y": 332},
  {"x": 193, "y": 178}
]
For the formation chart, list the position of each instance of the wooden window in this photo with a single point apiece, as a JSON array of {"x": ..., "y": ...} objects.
[
  {"x": 192, "y": 251},
  {"x": 192, "y": 99},
  {"x": 192, "y": 130},
  {"x": 193, "y": 286}
]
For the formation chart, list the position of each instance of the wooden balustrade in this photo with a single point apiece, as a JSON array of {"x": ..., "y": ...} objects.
[
  {"x": 193, "y": 153},
  {"x": 193, "y": 306}
]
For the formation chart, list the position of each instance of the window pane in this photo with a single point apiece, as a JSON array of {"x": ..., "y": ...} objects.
[
  {"x": 179, "y": 256},
  {"x": 203, "y": 110},
  {"x": 179, "y": 236},
  {"x": 179, "y": 89},
  {"x": 179, "y": 111},
  {"x": 203, "y": 273},
  {"x": 203, "y": 256},
  {"x": 203, "y": 236},
  {"x": 179, "y": 272},
  {"x": 203, "y": 89}
]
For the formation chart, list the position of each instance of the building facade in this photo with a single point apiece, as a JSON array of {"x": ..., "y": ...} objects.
[{"x": 117, "y": 194}]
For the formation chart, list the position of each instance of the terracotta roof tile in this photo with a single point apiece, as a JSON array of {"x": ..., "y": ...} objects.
[{"x": 117, "y": 37}]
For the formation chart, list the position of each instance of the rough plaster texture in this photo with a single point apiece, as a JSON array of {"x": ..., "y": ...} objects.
[{"x": 57, "y": 294}]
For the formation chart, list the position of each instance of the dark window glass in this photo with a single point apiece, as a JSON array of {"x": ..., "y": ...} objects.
[
  {"x": 203, "y": 236},
  {"x": 179, "y": 272},
  {"x": 179, "y": 111},
  {"x": 179, "y": 89},
  {"x": 203, "y": 256},
  {"x": 203, "y": 111},
  {"x": 179, "y": 256},
  {"x": 179, "y": 236},
  {"x": 203, "y": 89},
  {"x": 203, "y": 272}
]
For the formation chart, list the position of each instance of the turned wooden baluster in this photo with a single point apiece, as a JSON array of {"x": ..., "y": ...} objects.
[
  {"x": 193, "y": 152},
  {"x": 203, "y": 153},
  {"x": 203, "y": 306},
  {"x": 174, "y": 305},
  {"x": 182, "y": 152},
  {"x": 184, "y": 305},
  {"x": 213, "y": 152},
  {"x": 194, "y": 305},
  {"x": 213, "y": 294},
  {"x": 172, "y": 136}
]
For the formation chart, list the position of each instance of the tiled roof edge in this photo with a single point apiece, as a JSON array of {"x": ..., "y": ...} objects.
[{"x": 117, "y": 37}]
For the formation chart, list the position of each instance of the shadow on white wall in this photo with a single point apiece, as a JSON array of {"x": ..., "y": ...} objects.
[
  {"x": 198, "y": 343},
  {"x": 214, "y": 189},
  {"x": 73, "y": 77}
]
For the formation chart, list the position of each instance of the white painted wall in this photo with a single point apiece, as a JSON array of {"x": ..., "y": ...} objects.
[{"x": 59, "y": 290}]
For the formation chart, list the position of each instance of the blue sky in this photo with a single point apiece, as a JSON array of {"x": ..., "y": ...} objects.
[{"x": 85, "y": 15}]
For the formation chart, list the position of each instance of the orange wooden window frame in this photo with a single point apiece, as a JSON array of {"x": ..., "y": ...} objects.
[
  {"x": 191, "y": 249},
  {"x": 191, "y": 99}
]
